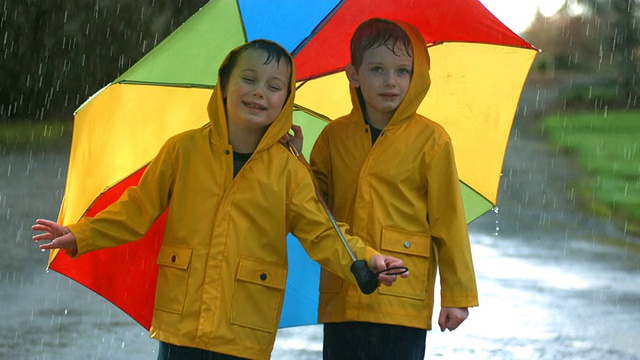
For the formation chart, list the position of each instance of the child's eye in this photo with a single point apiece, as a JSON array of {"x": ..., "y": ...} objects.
[
  {"x": 247, "y": 79},
  {"x": 404, "y": 71},
  {"x": 275, "y": 87},
  {"x": 377, "y": 69}
]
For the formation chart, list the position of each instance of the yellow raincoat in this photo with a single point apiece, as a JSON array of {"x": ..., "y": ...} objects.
[
  {"x": 403, "y": 197},
  {"x": 223, "y": 260}
]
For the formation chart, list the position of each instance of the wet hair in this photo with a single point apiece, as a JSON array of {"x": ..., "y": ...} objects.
[
  {"x": 274, "y": 53},
  {"x": 376, "y": 32}
]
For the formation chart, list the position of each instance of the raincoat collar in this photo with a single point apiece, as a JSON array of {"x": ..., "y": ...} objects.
[
  {"x": 218, "y": 118},
  {"x": 420, "y": 82}
]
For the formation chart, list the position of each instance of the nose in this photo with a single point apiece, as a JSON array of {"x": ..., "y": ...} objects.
[
  {"x": 390, "y": 80},
  {"x": 258, "y": 92}
]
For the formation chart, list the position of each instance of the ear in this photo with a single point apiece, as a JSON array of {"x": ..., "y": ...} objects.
[{"x": 352, "y": 75}]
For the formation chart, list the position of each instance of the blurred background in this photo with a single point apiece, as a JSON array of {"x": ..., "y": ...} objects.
[
  {"x": 557, "y": 261},
  {"x": 55, "y": 54}
]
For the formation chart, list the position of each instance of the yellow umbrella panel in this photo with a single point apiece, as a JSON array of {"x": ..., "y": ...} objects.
[{"x": 474, "y": 94}]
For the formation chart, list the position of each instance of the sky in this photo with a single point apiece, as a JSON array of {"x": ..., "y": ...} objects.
[{"x": 518, "y": 14}]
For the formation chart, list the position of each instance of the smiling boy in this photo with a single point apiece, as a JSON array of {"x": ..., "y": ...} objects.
[
  {"x": 391, "y": 175},
  {"x": 232, "y": 194}
]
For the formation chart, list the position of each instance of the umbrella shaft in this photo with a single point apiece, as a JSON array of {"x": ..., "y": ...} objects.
[{"x": 295, "y": 152}]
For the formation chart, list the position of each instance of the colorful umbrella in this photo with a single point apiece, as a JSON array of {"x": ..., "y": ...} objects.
[{"x": 478, "y": 70}]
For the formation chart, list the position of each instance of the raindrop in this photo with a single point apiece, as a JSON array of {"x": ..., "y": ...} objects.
[{"x": 497, "y": 228}]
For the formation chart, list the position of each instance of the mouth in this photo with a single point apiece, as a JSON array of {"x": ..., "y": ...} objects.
[
  {"x": 389, "y": 95},
  {"x": 253, "y": 105}
]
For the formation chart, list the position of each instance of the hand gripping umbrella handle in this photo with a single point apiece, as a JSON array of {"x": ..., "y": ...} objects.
[{"x": 366, "y": 279}]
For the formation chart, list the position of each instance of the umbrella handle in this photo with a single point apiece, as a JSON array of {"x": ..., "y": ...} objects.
[{"x": 366, "y": 279}]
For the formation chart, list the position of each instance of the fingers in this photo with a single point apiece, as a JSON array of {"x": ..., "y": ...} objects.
[
  {"x": 297, "y": 131},
  {"x": 48, "y": 226},
  {"x": 41, "y": 237},
  {"x": 377, "y": 263},
  {"x": 392, "y": 262},
  {"x": 442, "y": 320},
  {"x": 47, "y": 223},
  {"x": 451, "y": 318},
  {"x": 387, "y": 280},
  {"x": 283, "y": 140},
  {"x": 66, "y": 242},
  {"x": 59, "y": 236},
  {"x": 49, "y": 246},
  {"x": 51, "y": 230},
  {"x": 380, "y": 263}
]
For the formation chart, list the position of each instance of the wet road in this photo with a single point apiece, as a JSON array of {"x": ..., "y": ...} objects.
[{"x": 554, "y": 283}]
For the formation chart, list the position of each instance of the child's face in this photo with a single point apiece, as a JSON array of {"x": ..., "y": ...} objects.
[
  {"x": 256, "y": 91},
  {"x": 383, "y": 79}
]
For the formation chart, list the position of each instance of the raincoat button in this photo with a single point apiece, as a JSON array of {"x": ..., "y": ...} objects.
[
  {"x": 407, "y": 244},
  {"x": 173, "y": 258},
  {"x": 263, "y": 276},
  {"x": 226, "y": 152}
]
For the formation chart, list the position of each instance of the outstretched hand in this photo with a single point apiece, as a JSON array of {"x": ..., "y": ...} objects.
[
  {"x": 60, "y": 237},
  {"x": 382, "y": 262},
  {"x": 296, "y": 139},
  {"x": 451, "y": 318}
]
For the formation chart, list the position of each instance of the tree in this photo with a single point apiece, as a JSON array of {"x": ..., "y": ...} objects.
[
  {"x": 602, "y": 42},
  {"x": 621, "y": 41},
  {"x": 57, "y": 53}
]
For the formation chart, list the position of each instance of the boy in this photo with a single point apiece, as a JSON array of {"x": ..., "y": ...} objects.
[
  {"x": 390, "y": 174},
  {"x": 233, "y": 193}
]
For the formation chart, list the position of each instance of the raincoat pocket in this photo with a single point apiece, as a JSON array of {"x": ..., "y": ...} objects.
[
  {"x": 414, "y": 249},
  {"x": 258, "y": 294},
  {"x": 173, "y": 277}
]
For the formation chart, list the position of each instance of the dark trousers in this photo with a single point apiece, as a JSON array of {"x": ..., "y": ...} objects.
[
  {"x": 368, "y": 341},
  {"x": 168, "y": 351}
]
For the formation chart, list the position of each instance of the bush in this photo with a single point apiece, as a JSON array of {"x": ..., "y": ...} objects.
[{"x": 29, "y": 135}]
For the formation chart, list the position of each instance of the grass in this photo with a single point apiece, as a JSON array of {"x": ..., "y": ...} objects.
[
  {"x": 29, "y": 135},
  {"x": 607, "y": 147}
]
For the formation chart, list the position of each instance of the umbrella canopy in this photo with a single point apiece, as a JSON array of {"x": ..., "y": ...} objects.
[{"x": 478, "y": 70}]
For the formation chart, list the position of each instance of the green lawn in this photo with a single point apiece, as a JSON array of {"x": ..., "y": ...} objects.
[{"x": 607, "y": 146}]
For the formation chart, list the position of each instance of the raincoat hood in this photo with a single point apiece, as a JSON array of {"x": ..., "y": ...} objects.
[
  {"x": 218, "y": 117},
  {"x": 420, "y": 81}
]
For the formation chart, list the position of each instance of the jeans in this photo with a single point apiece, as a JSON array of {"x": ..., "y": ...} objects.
[
  {"x": 367, "y": 341},
  {"x": 168, "y": 351}
]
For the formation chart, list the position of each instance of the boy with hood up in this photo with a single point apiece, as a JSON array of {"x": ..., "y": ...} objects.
[
  {"x": 232, "y": 193},
  {"x": 391, "y": 175}
]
